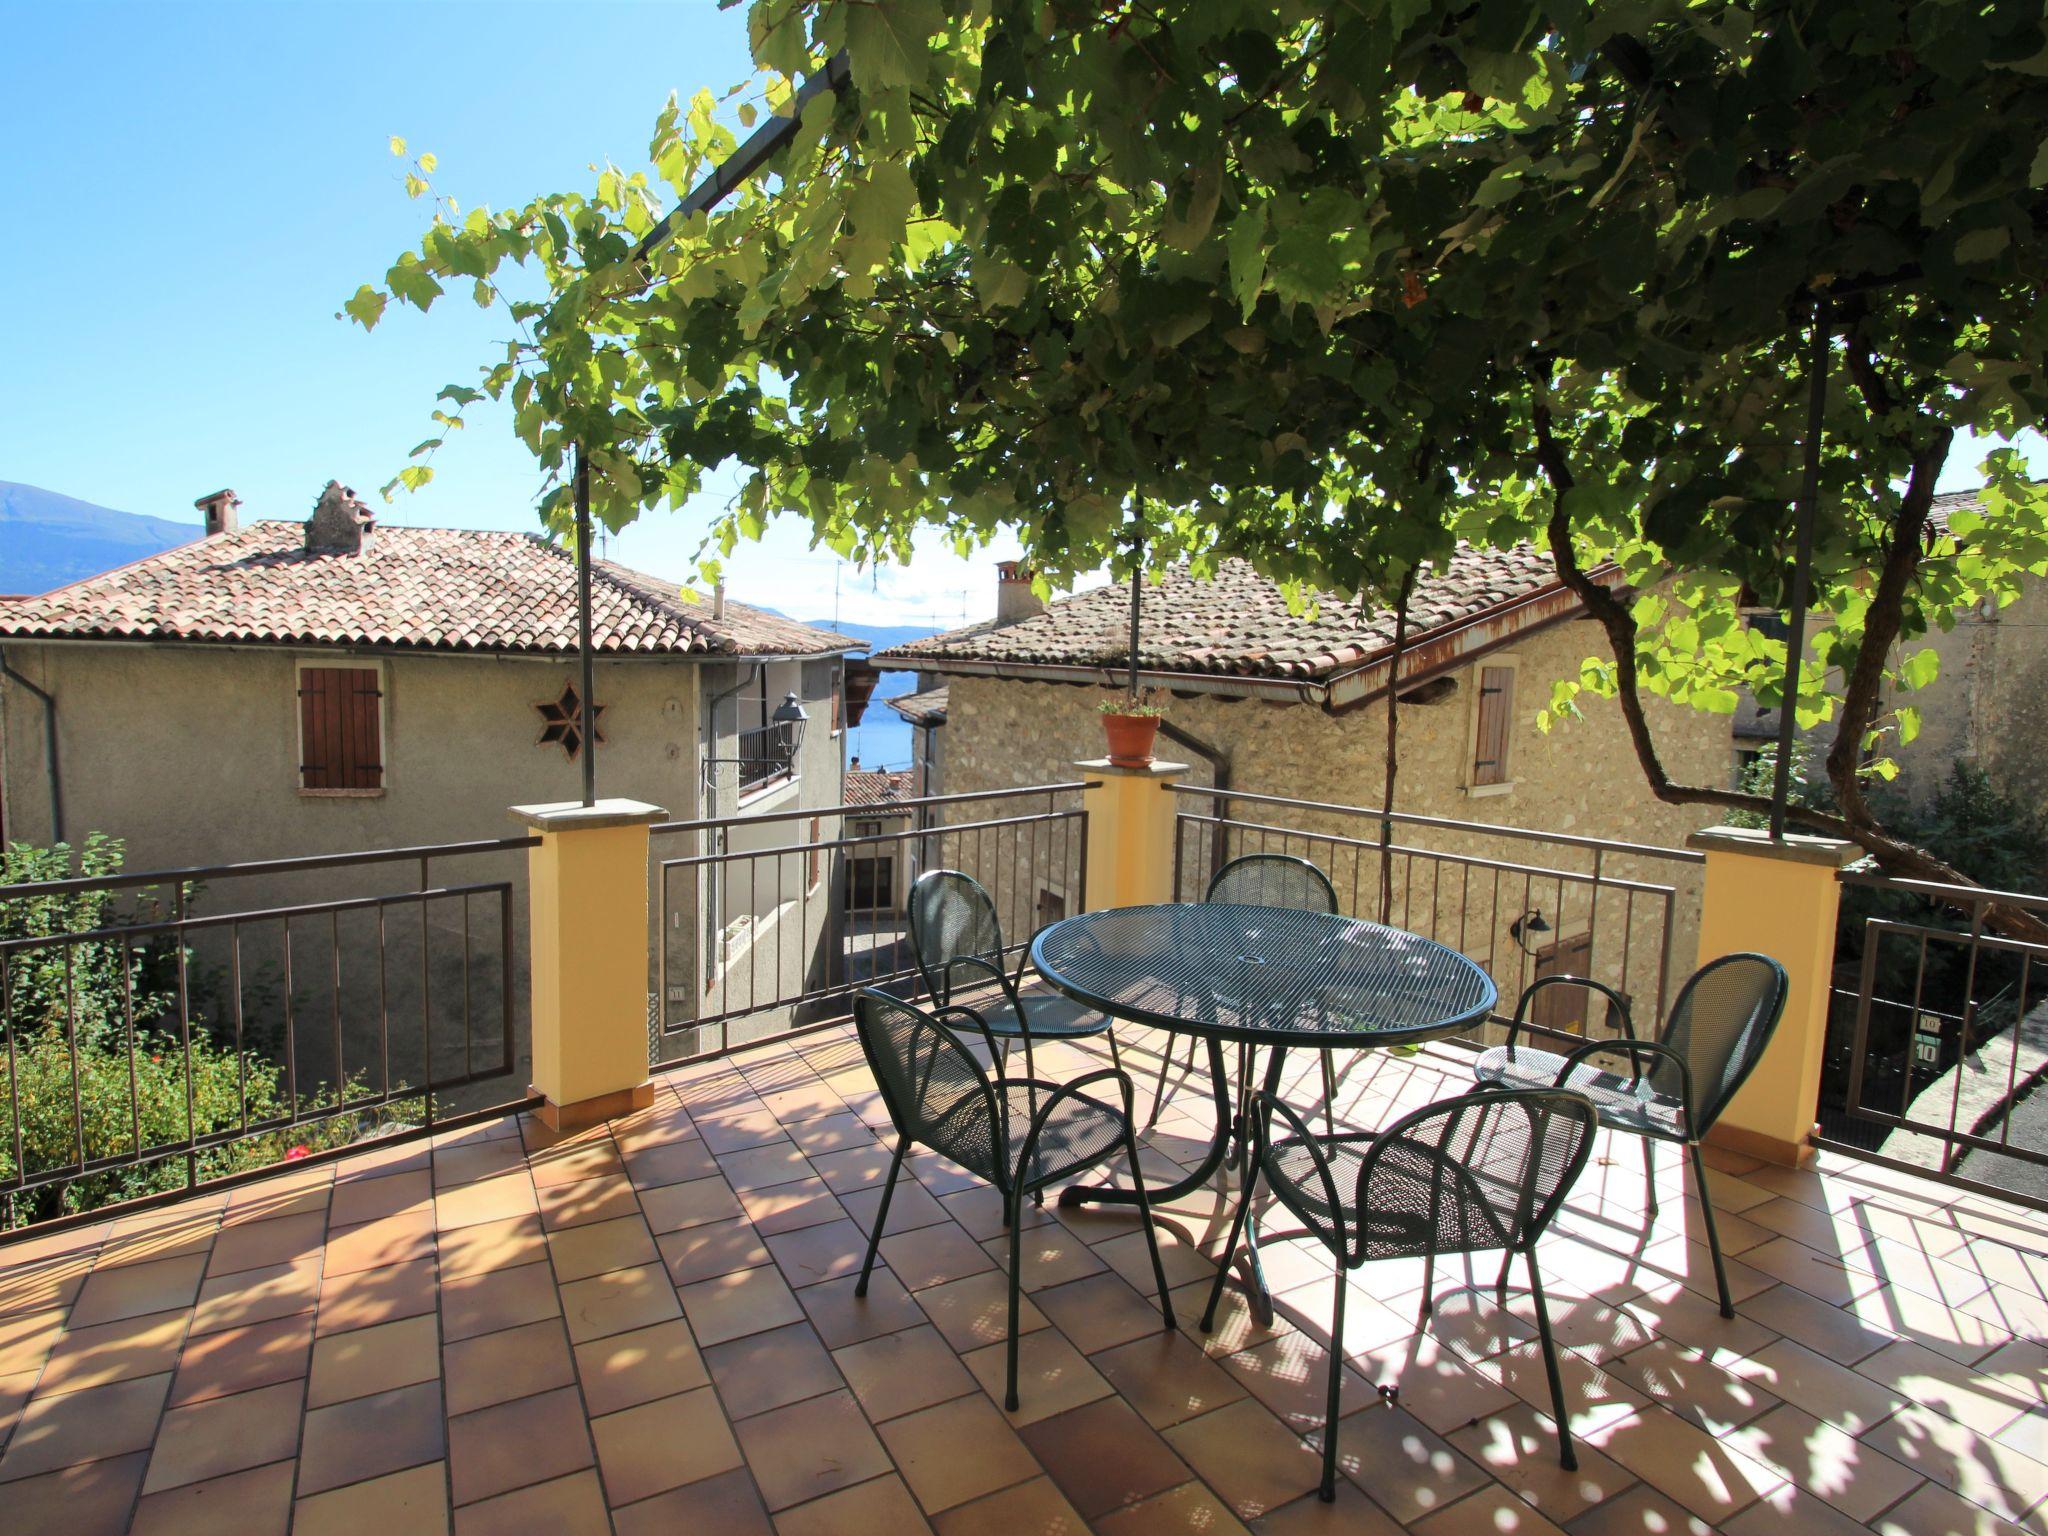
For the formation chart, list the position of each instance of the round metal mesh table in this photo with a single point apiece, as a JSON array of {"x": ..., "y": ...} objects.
[{"x": 1264, "y": 975}]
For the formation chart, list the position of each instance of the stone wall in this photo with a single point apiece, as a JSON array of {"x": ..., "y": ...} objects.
[{"x": 1462, "y": 887}]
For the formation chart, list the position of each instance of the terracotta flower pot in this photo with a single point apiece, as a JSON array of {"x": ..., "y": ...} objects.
[{"x": 1130, "y": 739}]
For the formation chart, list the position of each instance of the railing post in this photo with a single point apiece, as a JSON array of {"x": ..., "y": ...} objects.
[
  {"x": 587, "y": 889},
  {"x": 1130, "y": 833},
  {"x": 1778, "y": 898}
]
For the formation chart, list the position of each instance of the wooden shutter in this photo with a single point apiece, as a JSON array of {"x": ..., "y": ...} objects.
[
  {"x": 340, "y": 741},
  {"x": 1496, "y": 709}
]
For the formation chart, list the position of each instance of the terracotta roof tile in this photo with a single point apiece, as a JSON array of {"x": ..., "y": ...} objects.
[
  {"x": 877, "y": 786},
  {"x": 925, "y": 707},
  {"x": 1236, "y": 624},
  {"x": 431, "y": 588}
]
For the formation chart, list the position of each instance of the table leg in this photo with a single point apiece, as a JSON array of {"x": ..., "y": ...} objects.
[
  {"x": 1250, "y": 1272},
  {"x": 1219, "y": 1146}
]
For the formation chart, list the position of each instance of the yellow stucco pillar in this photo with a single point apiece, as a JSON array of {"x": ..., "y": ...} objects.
[
  {"x": 1779, "y": 899},
  {"x": 587, "y": 892},
  {"x": 1130, "y": 833}
]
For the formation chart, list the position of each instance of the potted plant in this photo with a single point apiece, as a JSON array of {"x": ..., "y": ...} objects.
[{"x": 1131, "y": 721}]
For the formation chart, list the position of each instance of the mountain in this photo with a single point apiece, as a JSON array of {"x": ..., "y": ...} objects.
[
  {"x": 47, "y": 540},
  {"x": 881, "y": 636}
]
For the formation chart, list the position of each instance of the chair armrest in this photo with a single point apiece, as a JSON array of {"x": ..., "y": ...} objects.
[
  {"x": 974, "y": 1018},
  {"x": 1615, "y": 1001},
  {"x": 1042, "y": 1114},
  {"x": 1262, "y": 1107},
  {"x": 994, "y": 971},
  {"x": 1635, "y": 1050}
]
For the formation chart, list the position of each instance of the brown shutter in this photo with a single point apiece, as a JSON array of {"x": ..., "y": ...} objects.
[
  {"x": 339, "y": 739},
  {"x": 1496, "y": 709}
]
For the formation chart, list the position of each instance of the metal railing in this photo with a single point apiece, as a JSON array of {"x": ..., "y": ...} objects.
[
  {"x": 1549, "y": 903},
  {"x": 149, "y": 1048},
  {"x": 770, "y": 923},
  {"x": 1933, "y": 1057},
  {"x": 764, "y": 755}
]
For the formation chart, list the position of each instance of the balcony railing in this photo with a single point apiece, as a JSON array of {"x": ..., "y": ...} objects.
[{"x": 764, "y": 756}]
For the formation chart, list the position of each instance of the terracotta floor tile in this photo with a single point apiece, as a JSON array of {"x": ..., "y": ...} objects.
[
  {"x": 879, "y": 1507},
  {"x": 638, "y": 1366},
  {"x": 1428, "y": 1378},
  {"x": 257, "y": 1502},
  {"x": 497, "y": 1299},
  {"x": 1249, "y": 1457},
  {"x": 1103, "y": 1456},
  {"x": 570, "y": 1165},
  {"x": 855, "y": 1168},
  {"x": 1794, "y": 1509},
  {"x": 740, "y": 1127},
  {"x": 803, "y": 1202},
  {"x": 497, "y": 1198},
  {"x": 377, "y": 1162},
  {"x": 814, "y": 1254},
  {"x": 1848, "y": 1474},
  {"x": 1983, "y": 1471},
  {"x": 933, "y": 1255},
  {"x": 528, "y": 1440},
  {"x": 259, "y": 1244},
  {"x": 361, "y": 1200},
  {"x": 490, "y": 1246},
  {"x": 725, "y": 1505},
  {"x": 976, "y": 1311},
  {"x": 1052, "y": 1254},
  {"x": 585, "y": 1201},
  {"x": 899, "y": 1373},
  {"x": 957, "y": 1451},
  {"x": 1166, "y": 1377},
  {"x": 843, "y": 1318},
  {"x": 673, "y": 1207},
  {"x": 1935, "y": 1509},
  {"x": 62, "y": 1431},
  {"x": 779, "y": 1162},
  {"x": 374, "y": 1359},
  {"x": 225, "y": 1434},
  {"x": 911, "y": 1206},
  {"x": 371, "y": 1296},
  {"x": 618, "y": 1301},
  {"x": 1486, "y": 1513},
  {"x": 497, "y": 1367},
  {"x": 1102, "y": 1311},
  {"x": 580, "y": 1252},
  {"x": 810, "y": 1448},
  {"x": 27, "y": 1338},
  {"x": 15, "y": 1390},
  {"x": 134, "y": 1346},
  {"x": 256, "y": 1296},
  {"x": 663, "y": 1444},
  {"x": 468, "y": 1163},
  {"x": 735, "y": 1305},
  {"x": 1519, "y": 1446},
  {"x": 240, "y": 1359},
  {"x": 95, "y": 1499},
  {"x": 1190, "y": 1507},
  {"x": 409, "y": 1503},
  {"x": 677, "y": 1162},
  {"x": 830, "y": 1133},
  {"x": 174, "y": 1231},
  {"x": 1037, "y": 1506},
  {"x": 135, "y": 1289},
  {"x": 1685, "y": 1463},
  {"x": 1052, "y": 1376},
  {"x": 566, "y": 1506},
  {"x": 370, "y": 1436},
  {"x": 712, "y": 1249},
  {"x": 388, "y": 1240},
  {"x": 772, "y": 1369},
  {"x": 1643, "y": 1511}
]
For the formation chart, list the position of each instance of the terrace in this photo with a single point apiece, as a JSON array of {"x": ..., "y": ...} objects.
[{"x": 649, "y": 1325}]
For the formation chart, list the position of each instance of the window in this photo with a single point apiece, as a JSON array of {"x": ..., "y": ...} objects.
[
  {"x": 341, "y": 734},
  {"x": 1491, "y": 722},
  {"x": 838, "y": 701},
  {"x": 1052, "y": 906}
]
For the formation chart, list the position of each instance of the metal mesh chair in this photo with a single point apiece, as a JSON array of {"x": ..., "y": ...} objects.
[
  {"x": 1670, "y": 1089},
  {"x": 1019, "y": 1134},
  {"x": 957, "y": 940},
  {"x": 1260, "y": 880},
  {"x": 1486, "y": 1170}
]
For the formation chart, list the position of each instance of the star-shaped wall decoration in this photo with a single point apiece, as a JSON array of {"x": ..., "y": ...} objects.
[{"x": 562, "y": 721}]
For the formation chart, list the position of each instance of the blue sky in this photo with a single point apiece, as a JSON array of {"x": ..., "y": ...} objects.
[{"x": 194, "y": 189}]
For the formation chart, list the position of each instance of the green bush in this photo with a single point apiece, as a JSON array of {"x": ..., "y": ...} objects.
[{"x": 78, "y": 1086}]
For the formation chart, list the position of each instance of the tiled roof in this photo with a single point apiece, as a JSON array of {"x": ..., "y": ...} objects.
[
  {"x": 443, "y": 589},
  {"x": 1236, "y": 624},
  {"x": 925, "y": 707},
  {"x": 877, "y": 786}
]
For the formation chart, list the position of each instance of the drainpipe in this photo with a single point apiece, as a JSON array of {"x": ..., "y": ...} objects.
[
  {"x": 49, "y": 748},
  {"x": 1219, "y": 778}
]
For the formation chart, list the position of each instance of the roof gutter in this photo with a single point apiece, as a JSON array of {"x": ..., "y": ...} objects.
[
  {"x": 1284, "y": 689},
  {"x": 388, "y": 648},
  {"x": 50, "y": 766}
]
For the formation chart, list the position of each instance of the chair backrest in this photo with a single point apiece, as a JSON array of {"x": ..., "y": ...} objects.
[
  {"x": 936, "y": 1092},
  {"x": 1273, "y": 880},
  {"x": 1724, "y": 1017},
  {"x": 951, "y": 916},
  {"x": 1484, "y": 1170}
]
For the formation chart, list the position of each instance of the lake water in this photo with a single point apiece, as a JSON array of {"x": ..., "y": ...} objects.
[{"x": 883, "y": 738}]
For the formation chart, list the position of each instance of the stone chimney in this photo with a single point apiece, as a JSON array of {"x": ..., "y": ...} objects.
[
  {"x": 854, "y": 765},
  {"x": 218, "y": 507},
  {"x": 1014, "y": 598},
  {"x": 340, "y": 524}
]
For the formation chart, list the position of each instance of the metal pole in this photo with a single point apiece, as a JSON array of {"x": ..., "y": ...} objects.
[
  {"x": 1802, "y": 561},
  {"x": 1137, "y": 576},
  {"x": 585, "y": 710}
]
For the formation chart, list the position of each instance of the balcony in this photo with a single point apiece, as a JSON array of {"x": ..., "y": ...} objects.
[{"x": 649, "y": 1325}]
